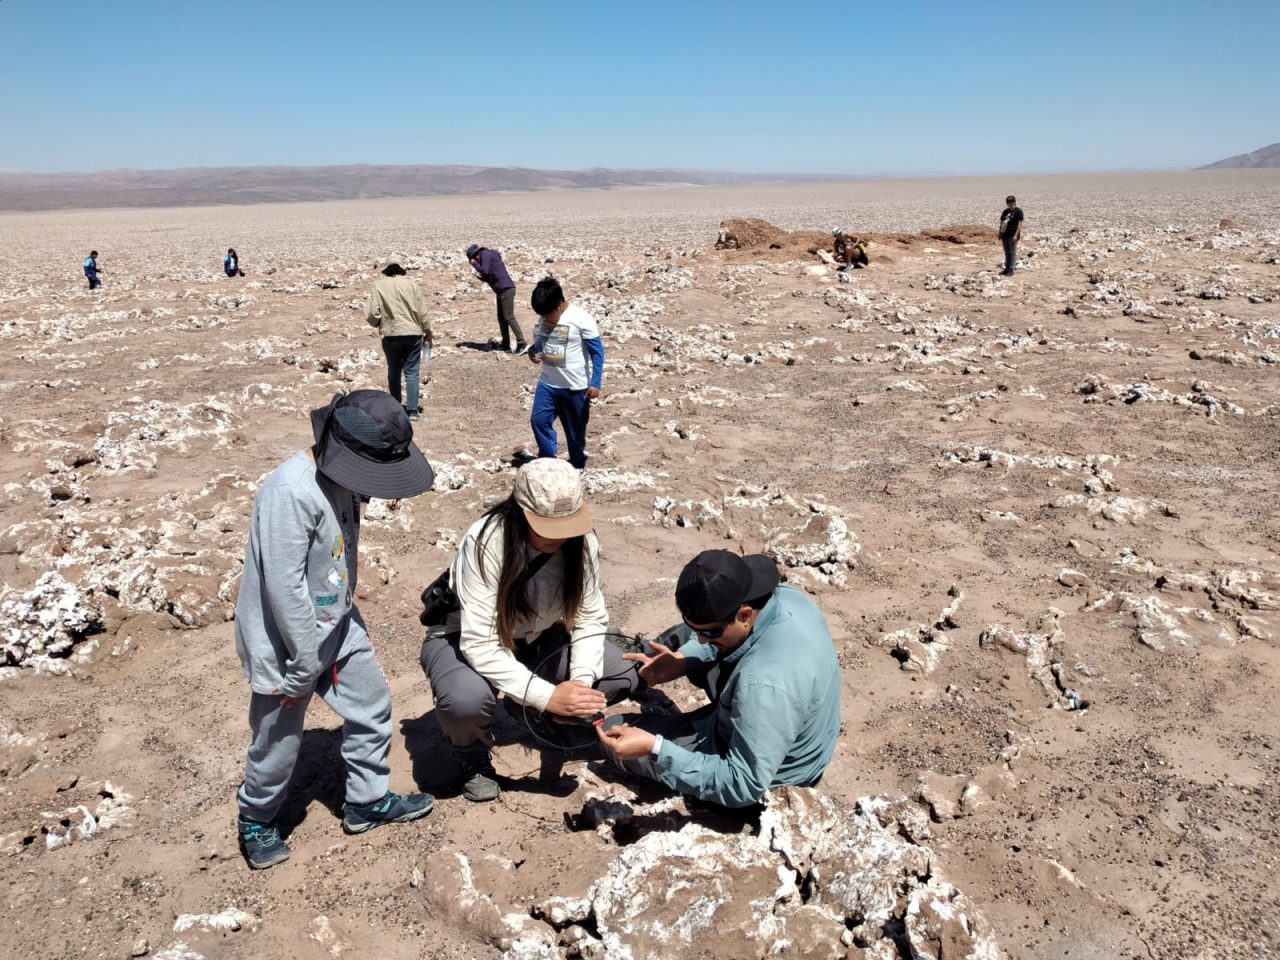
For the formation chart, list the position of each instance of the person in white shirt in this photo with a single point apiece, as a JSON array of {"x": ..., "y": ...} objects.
[
  {"x": 529, "y": 620},
  {"x": 568, "y": 346}
]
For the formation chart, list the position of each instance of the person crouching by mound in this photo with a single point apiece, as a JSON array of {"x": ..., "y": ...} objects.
[
  {"x": 298, "y": 631},
  {"x": 850, "y": 252},
  {"x": 528, "y": 621}
]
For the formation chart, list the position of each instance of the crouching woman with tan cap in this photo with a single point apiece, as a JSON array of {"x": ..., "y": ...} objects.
[{"x": 529, "y": 620}]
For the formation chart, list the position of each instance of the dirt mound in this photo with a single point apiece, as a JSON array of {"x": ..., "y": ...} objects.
[
  {"x": 963, "y": 233},
  {"x": 740, "y": 233},
  {"x": 757, "y": 239}
]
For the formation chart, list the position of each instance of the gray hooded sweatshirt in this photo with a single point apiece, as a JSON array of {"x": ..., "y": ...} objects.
[{"x": 295, "y": 615}]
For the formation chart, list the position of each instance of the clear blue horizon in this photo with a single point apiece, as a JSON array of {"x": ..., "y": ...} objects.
[{"x": 920, "y": 89}]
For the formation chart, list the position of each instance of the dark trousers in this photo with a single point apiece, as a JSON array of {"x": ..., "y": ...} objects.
[
  {"x": 404, "y": 358},
  {"x": 507, "y": 317},
  {"x": 573, "y": 409},
  {"x": 94, "y": 282},
  {"x": 693, "y": 730},
  {"x": 465, "y": 701},
  {"x": 1010, "y": 253}
]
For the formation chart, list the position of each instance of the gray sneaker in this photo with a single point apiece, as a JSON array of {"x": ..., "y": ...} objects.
[
  {"x": 261, "y": 844},
  {"x": 479, "y": 780},
  {"x": 392, "y": 808}
]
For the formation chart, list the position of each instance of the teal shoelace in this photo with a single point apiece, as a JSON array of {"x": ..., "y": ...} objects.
[{"x": 258, "y": 831}]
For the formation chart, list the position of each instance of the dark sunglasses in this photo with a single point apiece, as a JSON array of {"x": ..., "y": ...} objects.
[{"x": 712, "y": 633}]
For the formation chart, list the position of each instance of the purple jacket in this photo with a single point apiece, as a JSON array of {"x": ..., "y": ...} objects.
[{"x": 488, "y": 264}]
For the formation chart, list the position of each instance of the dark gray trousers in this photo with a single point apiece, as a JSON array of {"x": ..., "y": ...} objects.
[
  {"x": 404, "y": 359},
  {"x": 507, "y": 317},
  {"x": 694, "y": 730},
  {"x": 465, "y": 701},
  {"x": 1010, "y": 253}
]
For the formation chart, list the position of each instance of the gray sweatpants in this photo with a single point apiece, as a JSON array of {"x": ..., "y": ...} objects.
[
  {"x": 356, "y": 689},
  {"x": 465, "y": 701}
]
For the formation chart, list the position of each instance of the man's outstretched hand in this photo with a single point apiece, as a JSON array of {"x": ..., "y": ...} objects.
[
  {"x": 627, "y": 742},
  {"x": 662, "y": 667}
]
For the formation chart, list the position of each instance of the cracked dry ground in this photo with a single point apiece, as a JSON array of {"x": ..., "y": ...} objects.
[{"x": 1039, "y": 514}]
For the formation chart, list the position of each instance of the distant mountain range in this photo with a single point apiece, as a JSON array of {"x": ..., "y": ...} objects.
[
  {"x": 1266, "y": 157},
  {"x": 202, "y": 186}
]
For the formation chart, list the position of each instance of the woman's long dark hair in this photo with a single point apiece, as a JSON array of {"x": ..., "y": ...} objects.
[{"x": 513, "y": 577}]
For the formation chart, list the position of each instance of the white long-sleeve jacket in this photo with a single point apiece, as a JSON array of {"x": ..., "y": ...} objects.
[{"x": 478, "y": 618}]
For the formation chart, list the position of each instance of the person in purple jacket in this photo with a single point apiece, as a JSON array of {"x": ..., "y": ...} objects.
[{"x": 489, "y": 266}]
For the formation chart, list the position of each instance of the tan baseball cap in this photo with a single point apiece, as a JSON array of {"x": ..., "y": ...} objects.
[{"x": 551, "y": 495}]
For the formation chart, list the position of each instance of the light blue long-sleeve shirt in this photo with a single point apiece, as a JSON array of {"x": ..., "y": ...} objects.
[{"x": 777, "y": 716}]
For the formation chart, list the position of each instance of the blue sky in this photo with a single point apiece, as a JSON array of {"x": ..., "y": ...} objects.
[{"x": 852, "y": 88}]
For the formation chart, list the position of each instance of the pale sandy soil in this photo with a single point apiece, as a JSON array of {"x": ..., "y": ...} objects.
[{"x": 1087, "y": 452}]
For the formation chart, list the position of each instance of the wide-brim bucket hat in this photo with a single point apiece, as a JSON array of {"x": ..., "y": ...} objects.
[{"x": 364, "y": 442}]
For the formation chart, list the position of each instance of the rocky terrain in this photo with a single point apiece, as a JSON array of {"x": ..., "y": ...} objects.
[{"x": 1038, "y": 512}]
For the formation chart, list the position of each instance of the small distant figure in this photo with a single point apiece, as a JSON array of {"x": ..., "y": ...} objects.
[
  {"x": 490, "y": 268},
  {"x": 231, "y": 263},
  {"x": 91, "y": 270},
  {"x": 568, "y": 346},
  {"x": 850, "y": 252},
  {"x": 396, "y": 308},
  {"x": 1010, "y": 233}
]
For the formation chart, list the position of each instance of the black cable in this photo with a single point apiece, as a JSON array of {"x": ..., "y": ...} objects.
[{"x": 629, "y": 644}]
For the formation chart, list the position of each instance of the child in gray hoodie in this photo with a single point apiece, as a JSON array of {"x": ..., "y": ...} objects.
[{"x": 298, "y": 631}]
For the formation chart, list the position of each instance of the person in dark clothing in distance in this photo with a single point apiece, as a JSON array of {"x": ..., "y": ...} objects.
[
  {"x": 1010, "y": 233},
  {"x": 231, "y": 263}
]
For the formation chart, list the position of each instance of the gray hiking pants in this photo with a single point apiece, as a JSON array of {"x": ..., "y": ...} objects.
[
  {"x": 465, "y": 701},
  {"x": 357, "y": 691}
]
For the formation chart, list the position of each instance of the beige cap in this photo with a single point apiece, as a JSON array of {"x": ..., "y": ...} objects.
[{"x": 551, "y": 495}]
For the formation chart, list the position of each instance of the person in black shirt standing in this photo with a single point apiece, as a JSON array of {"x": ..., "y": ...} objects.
[{"x": 1010, "y": 232}]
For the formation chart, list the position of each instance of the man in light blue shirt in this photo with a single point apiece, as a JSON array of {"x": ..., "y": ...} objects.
[{"x": 763, "y": 654}]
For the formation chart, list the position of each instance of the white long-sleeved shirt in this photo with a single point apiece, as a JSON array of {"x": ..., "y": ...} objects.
[{"x": 478, "y": 617}]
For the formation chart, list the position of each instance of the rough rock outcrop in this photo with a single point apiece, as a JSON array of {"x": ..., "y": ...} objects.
[{"x": 813, "y": 881}]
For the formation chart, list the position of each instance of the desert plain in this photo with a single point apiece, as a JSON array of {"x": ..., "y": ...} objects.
[{"x": 1038, "y": 512}]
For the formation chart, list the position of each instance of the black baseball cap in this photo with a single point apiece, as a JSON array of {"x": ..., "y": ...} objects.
[
  {"x": 364, "y": 441},
  {"x": 715, "y": 583},
  {"x": 473, "y": 250}
]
